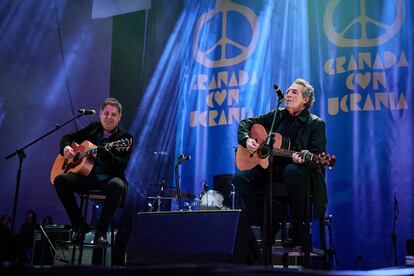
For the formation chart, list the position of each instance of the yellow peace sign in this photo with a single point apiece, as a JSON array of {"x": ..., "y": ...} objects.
[
  {"x": 224, "y": 7},
  {"x": 339, "y": 38}
]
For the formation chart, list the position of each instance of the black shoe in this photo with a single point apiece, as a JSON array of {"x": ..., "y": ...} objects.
[
  {"x": 100, "y": 238},
  {"x": 79, "y": 235}
]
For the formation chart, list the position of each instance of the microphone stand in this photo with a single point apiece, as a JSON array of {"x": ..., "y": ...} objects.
[
  {"x": 22, "y": 155},
  {"x": 160, "y": 195},
  {"x": 53, "y": 249},
  {"x": 394, "y": 233},
  {"x": 177, "y": 181},
  {"x": 267, "y": 222}
]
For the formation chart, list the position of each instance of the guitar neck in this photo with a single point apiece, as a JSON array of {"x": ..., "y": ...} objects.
[
  {"x": 88, "y": 152},
  {"x": 283, "y": 152}
]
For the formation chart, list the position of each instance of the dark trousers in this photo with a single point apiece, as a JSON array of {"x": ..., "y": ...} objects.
[
  {"x": 68, "y": 184},
  {"x": 289, "y": 186}
]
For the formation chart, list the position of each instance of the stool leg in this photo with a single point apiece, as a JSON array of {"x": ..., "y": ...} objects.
[
  {"x": 308, "y": 238},
  {"x": 85, "y": 216},
  {"x": 112, "y": 242},
  {"x": 322, "y": 236},
  {"x": 72, "y": 262}
]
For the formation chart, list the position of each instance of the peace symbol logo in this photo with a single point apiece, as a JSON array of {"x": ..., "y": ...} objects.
[
  {"x": 223, "y": 8},
  {"x": 363, "y": 21}
]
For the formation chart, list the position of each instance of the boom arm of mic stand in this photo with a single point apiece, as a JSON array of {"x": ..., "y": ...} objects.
[{"x": 22, "y": 155}]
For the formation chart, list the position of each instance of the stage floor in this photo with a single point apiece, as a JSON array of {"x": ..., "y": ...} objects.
[{"x": 191, "y": 269}]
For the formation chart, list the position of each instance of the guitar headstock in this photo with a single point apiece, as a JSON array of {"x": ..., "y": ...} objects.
[
  {"x": 325, "y": 160},
  {"x": 122, "y": 144}
]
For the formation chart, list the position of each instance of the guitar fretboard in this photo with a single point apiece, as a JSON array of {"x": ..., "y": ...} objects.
[
  {"x": 88, "y": 152},
  {"x": 288, "y": 153}
]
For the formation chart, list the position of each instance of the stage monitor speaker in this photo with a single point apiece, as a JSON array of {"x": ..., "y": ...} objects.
[
  {"x": 192, "y": 237},
  {"x": 42, "y": 252}
]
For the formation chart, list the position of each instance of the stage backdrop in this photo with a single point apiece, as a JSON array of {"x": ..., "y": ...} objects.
[{"x": 219, "y": 67}]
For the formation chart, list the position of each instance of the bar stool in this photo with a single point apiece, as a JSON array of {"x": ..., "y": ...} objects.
[
  {"x": 97, "y": 197},
  {"x": 307, "y": 247}
]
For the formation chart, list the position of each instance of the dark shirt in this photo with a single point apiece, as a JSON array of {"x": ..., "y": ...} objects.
[
  {"x": 306, "y": 132},
  {"x": 108, "y": 163}
]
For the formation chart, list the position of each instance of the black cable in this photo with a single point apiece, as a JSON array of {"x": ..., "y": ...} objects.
[{"x": 62, "y": 54}]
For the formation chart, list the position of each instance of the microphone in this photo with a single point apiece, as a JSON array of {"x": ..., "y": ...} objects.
[
  {"x": 279, "y": 92},
  {"x": 87, "y": 111},
  {"x": 182, "y": 157}
]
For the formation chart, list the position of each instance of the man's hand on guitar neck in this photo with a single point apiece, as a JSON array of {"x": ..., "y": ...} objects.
[
  {"x": 297, "y": 158},
  {"x": 252, "y": 145},
  {"x": 300, "y": 157}
]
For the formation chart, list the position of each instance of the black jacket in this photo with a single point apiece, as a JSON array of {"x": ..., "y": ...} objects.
[
  {"x": 311, "y": 137},
  {"x": 115, "y": 162}
]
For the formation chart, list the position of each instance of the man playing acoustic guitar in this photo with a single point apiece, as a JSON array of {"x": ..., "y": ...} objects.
[
  {"x": 110, "y": 159},
  {"x": 302, "y": 131}
]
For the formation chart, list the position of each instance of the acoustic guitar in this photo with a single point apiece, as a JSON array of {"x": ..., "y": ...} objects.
[
  {"x": 246, "y": 160},
  {"x": 85, "y": 155}
]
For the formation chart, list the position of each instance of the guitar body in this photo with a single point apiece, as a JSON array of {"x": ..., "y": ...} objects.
[
  {"x": 246, "y": 160},
  {"x": 82, "y": 166}
]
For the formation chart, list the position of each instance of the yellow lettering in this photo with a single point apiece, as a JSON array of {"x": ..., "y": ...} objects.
[
  {"x": 250, "y": 113},
  {"x": 349, "y": 81},
  {"x": 403, "y": 62},
  {"x": 340, "y": 61},
  {"x": 211, "y": 116},
  {"x": 243, "y": 77},
  {"x": 328, "y": 67},
  {"x": 333, "y": 106},
  {"x": 200, "y": 82},
  {"x": 234, "y": 113},
  {"x": 353, "y": 100},
  {"x": 352, "y": 64},
  {"x": 381, "y": 98},
  {"x": 203, "y": 118},
  {"x": 378, "y": 63},
  {"x": 233, "y": 80},
  {"x": 402, "y": 102},
  {"x": 379, "y": 77},
  {"x": 254, "y": 78},
  {"x": 233, "y": 94},
  {"x": 222, "y": 77},
  {"x": 213, "y": 84},
  {"x": 243, "y": 113},
  {"x": 223, "y": 119},
  {"x": 209, "y": 99},
  {"x": 389, "y": 59},
  {"x": 368, "y": 106},
  {"x": 364, "y": 58},
  {"x": 342, "y": 103},
  {"x": 193, "y": 118}
]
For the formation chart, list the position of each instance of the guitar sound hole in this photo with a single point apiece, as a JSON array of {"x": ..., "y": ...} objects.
[{"x": 75, "y": 158}]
